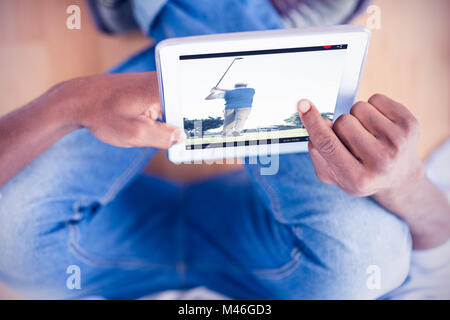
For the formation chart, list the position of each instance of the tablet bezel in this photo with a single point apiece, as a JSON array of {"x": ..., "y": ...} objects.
[{"x": 168, "y": 63}]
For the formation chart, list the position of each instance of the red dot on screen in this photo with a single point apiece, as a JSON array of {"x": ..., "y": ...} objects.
[{"x": 327, "y": 47}]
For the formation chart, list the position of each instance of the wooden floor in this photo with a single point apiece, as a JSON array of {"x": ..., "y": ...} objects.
[{"x": 408, "y": 60}]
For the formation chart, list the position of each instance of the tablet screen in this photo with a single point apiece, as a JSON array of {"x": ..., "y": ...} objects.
[{"x": 250, "y": 97}]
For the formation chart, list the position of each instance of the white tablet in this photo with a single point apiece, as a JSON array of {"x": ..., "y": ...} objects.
[{"x": 235, "y": 95}]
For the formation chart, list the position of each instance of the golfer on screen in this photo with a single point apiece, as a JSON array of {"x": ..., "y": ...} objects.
[{"x": 238, "y": 104}]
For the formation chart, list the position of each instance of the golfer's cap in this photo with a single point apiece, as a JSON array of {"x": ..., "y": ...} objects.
[{"x": 240, "y": 84}]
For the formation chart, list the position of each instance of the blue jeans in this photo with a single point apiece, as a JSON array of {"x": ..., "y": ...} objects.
[{"x": 243, "y": 234}]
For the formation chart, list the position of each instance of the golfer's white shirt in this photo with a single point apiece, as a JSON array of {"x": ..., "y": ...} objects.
[{"x": 428, "y": 278}]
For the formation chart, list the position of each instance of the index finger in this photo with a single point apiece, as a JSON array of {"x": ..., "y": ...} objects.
[
  {"x": 325, "y": 140},
  {"x": 392, "y": 110}
]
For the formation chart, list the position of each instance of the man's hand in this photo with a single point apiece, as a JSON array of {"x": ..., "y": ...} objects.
[
  {"x": 215, "y": 89},
  {"x": 368, "y": 151},
  {"x": 119, "y": 109},
  {"x": 372, "y": 152}
]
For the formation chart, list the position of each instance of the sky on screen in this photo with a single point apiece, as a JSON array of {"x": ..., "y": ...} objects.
[{"x": 279, "y": 80}]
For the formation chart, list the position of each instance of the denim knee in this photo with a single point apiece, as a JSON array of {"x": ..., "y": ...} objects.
[
  {"x": 360, "y": 251},
  {"x": 78, "y": 170},
  {"x": 35, "y": 207},
  {"x": 32, "y": 230},
  {"x": 346, "y": 241}
]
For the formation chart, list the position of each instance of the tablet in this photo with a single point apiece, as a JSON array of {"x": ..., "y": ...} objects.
[{"x": 235, "y": 95}]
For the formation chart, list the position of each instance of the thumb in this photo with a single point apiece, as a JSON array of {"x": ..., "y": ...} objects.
[
  {"x": 320, "y": 132},
  {"x": 158, "y": 134},
  {"x": 324, "y": 139},
  {"x": 312, "y": 119},
  {"x": 164, "y": 135}
]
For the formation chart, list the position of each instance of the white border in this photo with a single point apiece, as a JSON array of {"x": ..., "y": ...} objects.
[{"x": 167, "y": 65}]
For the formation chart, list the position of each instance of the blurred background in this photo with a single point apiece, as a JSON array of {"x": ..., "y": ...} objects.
[{"x": 408, "y": 60}]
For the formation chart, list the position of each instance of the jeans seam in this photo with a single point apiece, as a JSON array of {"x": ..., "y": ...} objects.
[
  {"x": 89, "y": 259},
  {"x": 122, "y": 180},
  {"x": 283, "y": 271},
  {"x": 268, "y": 273},
  {"x": 276, "y": 208},
  {"x": 272, "y": 197}
]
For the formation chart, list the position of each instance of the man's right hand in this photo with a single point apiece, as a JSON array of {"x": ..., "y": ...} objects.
[{"x": 372, "y": 152}]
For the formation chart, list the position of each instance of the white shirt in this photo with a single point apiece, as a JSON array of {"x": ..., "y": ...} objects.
[{"x": 429, "y": 275}]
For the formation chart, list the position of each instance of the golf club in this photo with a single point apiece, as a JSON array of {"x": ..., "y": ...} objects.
[{"x": 239, "y": 58}]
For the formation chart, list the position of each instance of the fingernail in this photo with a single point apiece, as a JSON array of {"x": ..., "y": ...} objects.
[
  {"x": 177, "y": 136},
  {"x": 154, "y": 114},
  {"x": 304, "y": 105}
]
